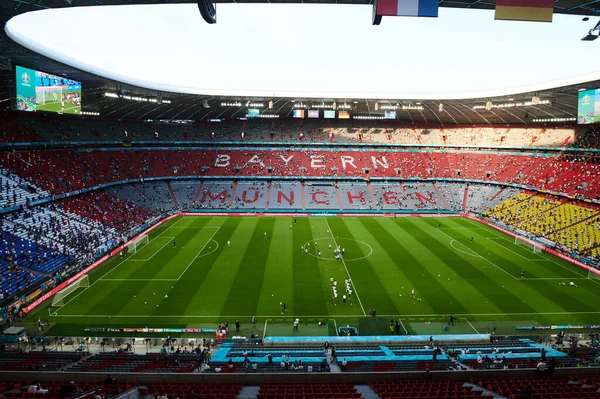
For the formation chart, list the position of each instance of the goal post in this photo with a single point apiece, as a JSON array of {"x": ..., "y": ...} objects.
[
  {"x": 48, "y": 94},
  {"x": 138, "y": 243},
  {"x": 59, "y": 297},
  {"x": 524, "y": 242},
  {"x": 593, "y": 273}
]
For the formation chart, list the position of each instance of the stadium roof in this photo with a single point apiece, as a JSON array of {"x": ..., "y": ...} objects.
[{"x": 563, "y": 100}]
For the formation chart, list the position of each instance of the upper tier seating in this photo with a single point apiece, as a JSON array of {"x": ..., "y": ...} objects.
[{"x": 31, "y": 129}]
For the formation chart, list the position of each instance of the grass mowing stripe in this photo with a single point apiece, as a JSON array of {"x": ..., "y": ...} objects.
[
  {"x": 468, "y": 268},
  {"x": 278, "y": 279},
  {"x": 245, "y": 291},
  {"x": 77, "y": 305},
  {"x": 557, "y": 262},
  {"x": 185, "y": 289},
  {"x": 427, "y": 286},
  {"x": 351, "y": 282},
  {"x": 544, "y": 288},
  {"x": 515, "y": 261},
  {"x": 308, "y": 291},
  {"x": 116, "y": 300},
  {"x": 211, "y": 292},
  {"x": 374, "y": 294}
]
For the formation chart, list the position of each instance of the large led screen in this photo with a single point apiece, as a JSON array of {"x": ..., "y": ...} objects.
[
  {"x": 43, "y": 92},
  {"x": 588, "y": 107}
]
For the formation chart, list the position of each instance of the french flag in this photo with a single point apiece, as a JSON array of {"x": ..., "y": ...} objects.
[{"x": 408, "y": 8}]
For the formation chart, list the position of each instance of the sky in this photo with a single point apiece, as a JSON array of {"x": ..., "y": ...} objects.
[{"x": 312, "y": 50}]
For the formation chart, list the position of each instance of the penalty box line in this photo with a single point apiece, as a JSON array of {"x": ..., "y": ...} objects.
[
  {"x": 119, "y": 264},
  {"x": 476, "y": 253},
  {"x": 502, "y": 235},
  {"x": 199, "y": 252},
  {"x": 182, "y": 273}
]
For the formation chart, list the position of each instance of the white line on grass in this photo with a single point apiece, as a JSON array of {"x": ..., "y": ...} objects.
[
  {"x": 139, "y": 279},
  {"x": 345, "y": 267},
  {"x": 482, "y": 257},
  {"x": 499, "y": 234},
  {"x": 406, "y": 316},
  {"x": 265, "y": 329},
  {"x": 129, "y": 260},
  {"x": 402, "y": 324},
  {"x": 556, "y": 278},
  {"x": 335, "y": 326},
  {"x": 463, "y": 252},
  {"x": 119, "y": 264},
  {"x": 477, "y": 332},
  {"x": 198, "y": 254},
  {"x": 495, "y": 240},
  {"x": 156, "y": 252}
]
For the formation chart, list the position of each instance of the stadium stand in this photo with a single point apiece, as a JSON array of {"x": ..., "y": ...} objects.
[
  {"x": 15, "y": 191},
  {"x": 425, "y": 390},
  {"x": 339, "y": 390},
  {"x": 184, "y": 193},
  {"x": 193, "y": 390},
  {"x": 107, "y": 209},
  {"x": 130, "y": 363},
  {"x": 51, "y": 170},
  {"x": 536, "y": 387},
  {"x": 572, "y": 225},
  {"x": 284, "y": 195},
  {"x": 291, "y": 131},
  {"x": 250, "y": 196},
  {"x": 38, "y": 361}
]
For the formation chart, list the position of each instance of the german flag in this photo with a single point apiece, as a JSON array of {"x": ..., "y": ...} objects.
[{"x": 525, "y": 10}]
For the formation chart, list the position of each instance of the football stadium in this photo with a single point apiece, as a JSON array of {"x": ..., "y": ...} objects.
[{"x": 318, "y": 200}]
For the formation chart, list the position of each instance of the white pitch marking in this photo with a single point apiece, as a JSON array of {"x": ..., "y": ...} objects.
[
  {"x": 406, "y": 316},
  {"x": 198, "y": 254},
  {"x": 477, "y": 332},
  {"x": 482, "y": 257},
  {"x": 345, "y": 267}
]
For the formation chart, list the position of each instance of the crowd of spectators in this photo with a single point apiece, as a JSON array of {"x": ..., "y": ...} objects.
[
  {"x": 573, "y": 225},
  {"x": 284, "y": 130},
  {"x": 64, "y": 171}
]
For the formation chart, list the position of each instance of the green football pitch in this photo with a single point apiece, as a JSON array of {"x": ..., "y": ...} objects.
[{"x": 203, "y": 281}]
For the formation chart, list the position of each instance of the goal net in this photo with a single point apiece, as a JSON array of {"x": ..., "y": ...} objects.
[
  {"x": 59, "y": 297},
  {"x": 48, "y": 94},
  {"x": 522, "y": 242},
  {"x": 593, "y": 273},
  {"x": 138, "y": 243}
]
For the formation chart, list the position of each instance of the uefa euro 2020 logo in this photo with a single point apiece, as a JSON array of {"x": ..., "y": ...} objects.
[{"x": 25, "y": 78}]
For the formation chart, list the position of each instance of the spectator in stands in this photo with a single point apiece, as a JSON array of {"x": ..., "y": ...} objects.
[
  {"x": 36, "y": 388},
  {"x": 541, "y": 367}
]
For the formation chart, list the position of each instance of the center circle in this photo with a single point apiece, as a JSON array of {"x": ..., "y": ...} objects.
[{"x": 363, "y": 251}]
